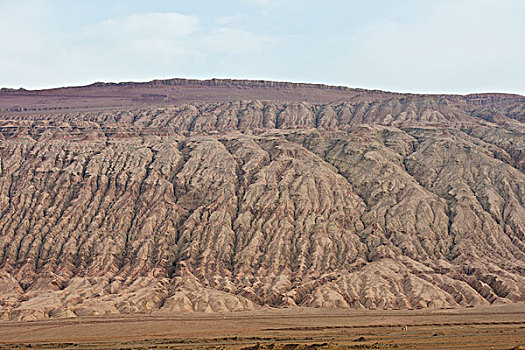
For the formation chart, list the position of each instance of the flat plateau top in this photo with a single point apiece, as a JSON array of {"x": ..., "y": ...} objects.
[{"x": 128, "y": 94}]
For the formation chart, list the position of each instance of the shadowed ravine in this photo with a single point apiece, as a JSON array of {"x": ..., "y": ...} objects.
[{"x": 377, "y": 201}]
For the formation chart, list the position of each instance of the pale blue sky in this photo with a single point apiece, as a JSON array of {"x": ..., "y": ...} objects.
[{"x": 445, "y": 46}]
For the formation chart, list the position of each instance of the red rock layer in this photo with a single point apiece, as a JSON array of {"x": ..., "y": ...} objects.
[{"x": 403, "y": 202}]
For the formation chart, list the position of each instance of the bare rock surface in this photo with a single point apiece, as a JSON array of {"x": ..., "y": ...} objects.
[{"x": 238, "y": 195}]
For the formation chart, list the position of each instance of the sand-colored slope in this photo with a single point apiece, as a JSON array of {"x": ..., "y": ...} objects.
[{"x": 397, "y": 203}]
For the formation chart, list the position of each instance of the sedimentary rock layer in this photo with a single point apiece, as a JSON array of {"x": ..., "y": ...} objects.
[{"x": 366, "y": 202}]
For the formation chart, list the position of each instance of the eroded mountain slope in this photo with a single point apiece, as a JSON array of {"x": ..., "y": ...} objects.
[{"x": 402, "y": 202}]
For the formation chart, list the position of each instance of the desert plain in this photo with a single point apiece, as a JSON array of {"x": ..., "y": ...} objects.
[{"x": 494, "y": 327}]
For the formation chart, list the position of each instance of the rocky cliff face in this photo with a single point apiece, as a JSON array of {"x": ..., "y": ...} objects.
[{"x": 373, "y": 201}]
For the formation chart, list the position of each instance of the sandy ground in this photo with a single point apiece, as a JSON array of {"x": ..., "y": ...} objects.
[{"x": 497, "y": 327}]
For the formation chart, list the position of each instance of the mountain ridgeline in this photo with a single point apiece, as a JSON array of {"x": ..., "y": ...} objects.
[{"x": 229, "y": 195}]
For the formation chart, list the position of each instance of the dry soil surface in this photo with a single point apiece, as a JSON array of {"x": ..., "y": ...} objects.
[{"x": 495, "y": 327}]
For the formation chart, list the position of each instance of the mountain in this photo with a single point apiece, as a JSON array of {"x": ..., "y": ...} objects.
[{"x": 227, "y": 195}]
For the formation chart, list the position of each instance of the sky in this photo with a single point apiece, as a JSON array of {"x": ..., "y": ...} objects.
[{"x": 419, "y": 46}]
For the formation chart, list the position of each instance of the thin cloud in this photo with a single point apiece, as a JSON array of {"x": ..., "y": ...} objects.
[
  {"x": 176, "y": 34},
  {"x": 465, "y": 49},
  {"x": 238, "y": 41},
  {"x": 230, "y": 20},
  {"x": 148, "y": 33},
  {"x": 260, "y": 2}
]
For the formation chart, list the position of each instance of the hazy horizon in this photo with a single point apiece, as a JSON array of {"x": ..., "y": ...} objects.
[{"x": 446, "y": 47}]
